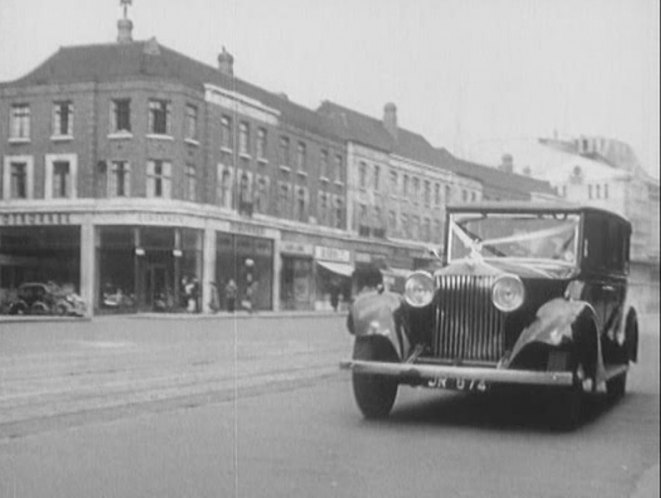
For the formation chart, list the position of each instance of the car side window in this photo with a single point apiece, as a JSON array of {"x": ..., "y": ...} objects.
[
  {"x": 595, "y": 246},
  {"x": 616, "y": 240}
]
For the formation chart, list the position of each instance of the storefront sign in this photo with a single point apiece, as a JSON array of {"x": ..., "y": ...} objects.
[
  {"x": 247, "y": 229},
  {"x": 161, "y": 219},
  {"x": 16, "y": 219},
  {"x": 332, "y": 254},
  {"x": 297, "y": 248}
]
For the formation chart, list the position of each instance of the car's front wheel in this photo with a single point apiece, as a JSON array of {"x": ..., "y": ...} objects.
[
  {"x": 375, "y": 394},
  {"x": 566, "y": 405}
]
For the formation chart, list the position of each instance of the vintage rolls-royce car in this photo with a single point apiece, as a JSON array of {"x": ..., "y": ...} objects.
[{"x": 526, "y": 295}]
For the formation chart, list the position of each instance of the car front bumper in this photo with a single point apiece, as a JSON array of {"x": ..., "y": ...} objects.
[{"x": 427, "y": 372}]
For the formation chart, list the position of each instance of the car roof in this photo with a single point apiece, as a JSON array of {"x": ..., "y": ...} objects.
[{"x": 528, "y": 207}]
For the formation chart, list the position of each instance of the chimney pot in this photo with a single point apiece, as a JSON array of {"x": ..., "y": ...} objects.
[
  {"x": 390, "y": 119},
  {"x": 226, "y": 63}
]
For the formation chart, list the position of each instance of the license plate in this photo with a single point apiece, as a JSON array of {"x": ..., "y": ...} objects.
[{"x": 458, "y": 384}]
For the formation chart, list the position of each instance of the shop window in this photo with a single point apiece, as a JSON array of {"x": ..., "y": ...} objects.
[
  {"x": 159, "y": 117},
  {"x": 261, "y": 143},
  {"x": 244, "y": 138},
  {"x": 117, "y": 279},
  {"x": 159, "y": 179},
  {"x": 121, "y": 115},
  {"x": 119, "y": 181},
  {"x": 63, "y": 119},
  {"x": 19, "y": 122},
  {"x": 226, "y": 138},
  {"x": 191, "y": 122},
  {"x": 191, "y": 182}
]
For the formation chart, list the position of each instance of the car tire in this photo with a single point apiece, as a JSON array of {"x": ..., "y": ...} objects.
[
  {"x": 617, "y": 386},
  {"x": 375, "y": 394},
  {"x": 38, "y": 308},
  {"x": 18, "y": 309},
  {"x": 566, "y": 408}
]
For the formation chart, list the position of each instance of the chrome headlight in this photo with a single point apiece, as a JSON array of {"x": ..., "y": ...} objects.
[
  {"x": 419, "y": 289},
  {"x": 507, "y": 293}
]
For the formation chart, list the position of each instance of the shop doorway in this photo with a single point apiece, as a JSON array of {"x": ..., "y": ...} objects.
[{"x": 157, "y": 293}]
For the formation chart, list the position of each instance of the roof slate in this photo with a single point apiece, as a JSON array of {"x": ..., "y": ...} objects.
[{"x": 148, "y": 59}]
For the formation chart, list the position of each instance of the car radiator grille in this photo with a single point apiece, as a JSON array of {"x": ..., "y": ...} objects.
[{"x": 469, "y": 326}]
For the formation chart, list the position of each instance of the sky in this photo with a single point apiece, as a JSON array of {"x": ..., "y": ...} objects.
[{"x": 461, "y": 72}]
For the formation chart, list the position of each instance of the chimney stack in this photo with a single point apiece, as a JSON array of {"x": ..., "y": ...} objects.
[
  {"x": 507, "y": 163},
  {"x": 390, "y": 119},
  {"x": 124, "y": 25},
  {"x": 226, "y": 63}
]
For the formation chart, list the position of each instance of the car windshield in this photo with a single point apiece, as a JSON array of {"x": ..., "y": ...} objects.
[{"x": 550, "y": 236}]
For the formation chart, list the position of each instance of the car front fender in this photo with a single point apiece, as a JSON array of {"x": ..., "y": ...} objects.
[
  {"x": 561, "y": 322},
  {"x": 376, "y": 315}
]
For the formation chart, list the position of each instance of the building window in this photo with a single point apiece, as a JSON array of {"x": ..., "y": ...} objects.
[
  {"x": 323, "y": 167},
  {"x": 63, "y": 119},
  {"x": 448, "y": 194},
  {"x": 119, "y": 180},
  {"x": 426, "y": 233},
  {"x": 597, "y": 191},
  {"x": 19, "y": 180},
  {"x": 262, "y": 195},
  {"x": 191, "y": 182},
  {"x": 606, "y": 191},
  {"x": 322, "y": 214},
  {"x": 416, "y": 227},
  {"x": 301, "y": 156},
  {"x": 285, "y": 160},
  {"x": 283, "y": 200},
  {"x": 20, "y": 122},
  {"x": 224, "y": 185},
  {"x": 437, "y": 194},
  {"x": 393, "y": 182},
  {"x": 245, "y": 194},
  {"x": 406, "y": 228},
  {"x": 464, "y": 195},
  {"x": 392, "y": 222},
  {"x": 244, "y": 138},
  {"x": 377, "y": 179},
  {"x": 427, "y": 193},
  {"x": 191, "y": 122},
  {"x": 159, "y": 117},
  {"x": 301, "y": 195},
  {"x": 337, "y": 174},
  {"x": 121, "y": 115},
  {"x": 362, "y": 175},
  {"x": 61, "y": 174},
  {"x": 416, "y": 189},
  {"x": 405, "y": 186},
  {"x": 226, "y": 132},
  {"x": 473, "y": 196},
  {"x": 261, "y": 143},
  {"x": 339, "y": 210},
  {"x": 159, "y": 179}
]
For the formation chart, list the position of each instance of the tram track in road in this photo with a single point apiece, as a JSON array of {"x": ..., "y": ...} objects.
[{"x": 45, "y": 415}]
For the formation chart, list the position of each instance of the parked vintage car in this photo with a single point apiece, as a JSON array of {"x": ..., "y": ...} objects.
[
  {"x": 35, "y": 298},
  {"x": 526, "y": 296}
]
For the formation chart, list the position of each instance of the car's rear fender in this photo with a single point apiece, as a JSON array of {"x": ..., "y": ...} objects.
[
  {"x": 376, "y": 316},
  {"x": 564, "y": 325}
]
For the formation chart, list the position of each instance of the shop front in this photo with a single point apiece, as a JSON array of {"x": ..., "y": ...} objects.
[
  {"x": 47, "y": 254},
  {"x": 297, "y": 283},
  {"x": 333, "y": 277},
  {"x": 247, "y": 261},
  {"x": 149, "y": 268}
]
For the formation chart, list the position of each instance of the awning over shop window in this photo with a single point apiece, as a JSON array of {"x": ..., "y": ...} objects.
[{"x": 340, "y": 268}]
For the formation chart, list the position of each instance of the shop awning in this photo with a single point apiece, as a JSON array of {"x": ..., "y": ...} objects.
[{"x": 340, "y": 268}]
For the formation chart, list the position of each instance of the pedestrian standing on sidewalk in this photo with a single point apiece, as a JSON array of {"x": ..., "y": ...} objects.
[{"x": 230, "y": 295}]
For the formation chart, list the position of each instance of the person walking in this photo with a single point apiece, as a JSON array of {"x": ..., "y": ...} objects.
[{"x": 230, "y": 295}]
